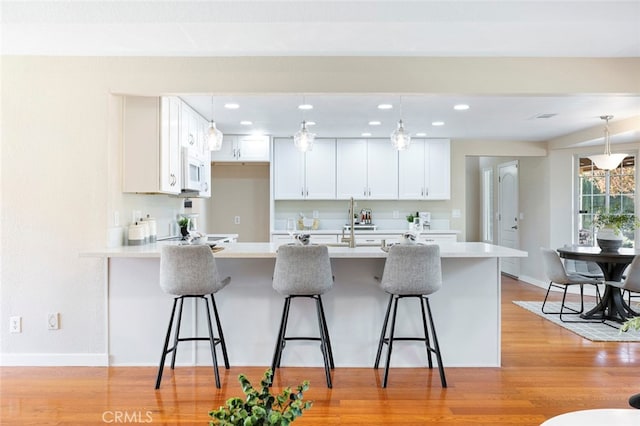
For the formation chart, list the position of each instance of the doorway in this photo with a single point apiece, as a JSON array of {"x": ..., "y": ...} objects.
[{"x": 508, "y": 232}]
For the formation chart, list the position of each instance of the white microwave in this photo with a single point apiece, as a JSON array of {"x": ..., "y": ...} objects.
[{"x": 193, "y": 170}]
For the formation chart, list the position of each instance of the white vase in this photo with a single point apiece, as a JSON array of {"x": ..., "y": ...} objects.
[{"x": 608, "y": 239}]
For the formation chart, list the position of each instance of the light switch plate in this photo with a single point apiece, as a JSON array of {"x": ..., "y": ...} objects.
[{"x": 455, "y": 213}]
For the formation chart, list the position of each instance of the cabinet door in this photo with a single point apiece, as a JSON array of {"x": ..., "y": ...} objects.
[
  {"x": 438, "y": 170},
  {"x": 288, "y": 170},
  {"x": 351, "y": 168},
  {"x": 206, "y": 184},
  {"x": 411, "y": 172},
  {"x": 382, "y": 170},
  {"x": 170, "y": 164},
  {"x": 252, "y": 148},
  {"x": 227, "y": 151},
  {"x": 320, "y": 170}
]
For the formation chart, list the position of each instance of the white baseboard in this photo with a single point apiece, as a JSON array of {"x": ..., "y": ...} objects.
[{"x": 53, "y": 360}]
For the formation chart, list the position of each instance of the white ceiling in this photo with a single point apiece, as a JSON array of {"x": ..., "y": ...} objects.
[{"x": 507, "y": 28}]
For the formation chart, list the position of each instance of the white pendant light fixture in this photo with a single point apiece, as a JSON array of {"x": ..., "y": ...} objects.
[
  {"x": 607, "y": 161},
  {"x": 215, "y": 136},
  {"x": 303, "y": 139},
  {"x": 400, "y": 138}
]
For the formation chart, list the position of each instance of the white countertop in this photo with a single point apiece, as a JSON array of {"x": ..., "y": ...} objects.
[
  {"x": 268, "y": 250},
  {"x": 367, "y": 232}
]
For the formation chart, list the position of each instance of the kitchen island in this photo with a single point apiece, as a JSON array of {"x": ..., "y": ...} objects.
[{"x": 466, "y": 310}]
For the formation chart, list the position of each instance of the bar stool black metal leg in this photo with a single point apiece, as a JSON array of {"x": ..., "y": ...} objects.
[
  {"x": 212, "y": 343},
  {"x": 443, "y": 380},
  {"x": 390, "y": 344},
  {"x": 281, "y": 333},
  {"x": 176, "y": 338},
  {"x": 166, "y": 344},
  {"x": 426, "y": 331},
  {"x": 284, "y": 331},
  {"x": 323, "y": 342},
  {"x": 383, "y": 333},
  {"x": 326, "y": 333},
  {"x": 220, "y": 335}
]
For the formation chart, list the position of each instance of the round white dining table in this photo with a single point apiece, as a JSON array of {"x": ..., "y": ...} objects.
[{"x": 597, "y": 417}]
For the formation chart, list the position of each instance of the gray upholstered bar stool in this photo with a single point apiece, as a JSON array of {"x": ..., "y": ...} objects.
[
  {"x": 411, "y": 271},
  {"x": 191, "y": 272},
  {"x": 303, "y": 271}
]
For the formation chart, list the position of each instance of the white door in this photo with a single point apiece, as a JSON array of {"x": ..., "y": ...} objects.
[{"x": 508, "y": 234}]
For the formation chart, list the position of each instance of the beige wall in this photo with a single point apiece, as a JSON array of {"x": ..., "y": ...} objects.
[
  {"x": 240, "y": 190},
  {"x": 60, "y": 157}
]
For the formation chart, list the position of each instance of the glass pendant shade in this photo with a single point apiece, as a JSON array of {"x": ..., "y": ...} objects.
[
  {"x": 607, "y": 161},
  {"x": 303, "y": 139},
  {"x": 400, "y": 139},
  {"x": 215, "y": 138}
]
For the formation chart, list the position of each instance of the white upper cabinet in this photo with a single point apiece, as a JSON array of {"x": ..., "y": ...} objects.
[
  {"x": 238, "y": 148},
  {"x": 151, "y": 144},
  {"x": 366, "y": 169},
  {"x": 192, "y": 132},
  {"x": 304, "y": 176},
  {"x": 425, "y": 170}
]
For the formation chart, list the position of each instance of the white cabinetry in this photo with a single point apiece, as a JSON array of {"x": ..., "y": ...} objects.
[
  {"x": 313, "y": 238},
  {"x": 304, "y": 176},
  {"x": 239, "y": 148},
  {"x": 192, "y": 132},
  {"x": 151, "y": 144},
  {"x": 424, "y": 172},
  {"x": 366, "y": 169}
]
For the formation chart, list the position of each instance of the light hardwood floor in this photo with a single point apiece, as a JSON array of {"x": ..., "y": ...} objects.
[{"x": 545, "y": 371}]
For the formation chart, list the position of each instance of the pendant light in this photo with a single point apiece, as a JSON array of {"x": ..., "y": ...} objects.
[
  {"x": 607, "y": 161},
  {"x": 215, "y": 136},
  {"x": 303, "y": 139},
  {"x": 400, "y": 139}
]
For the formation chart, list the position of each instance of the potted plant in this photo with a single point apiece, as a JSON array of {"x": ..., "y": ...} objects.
[
  {"x": 609, "y": 229},
  {"x": 260, "y": 407},
  {"x": 183, "y": 223}
]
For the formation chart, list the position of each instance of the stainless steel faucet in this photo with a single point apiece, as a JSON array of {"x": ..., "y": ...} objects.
[{"x": 352, "y": 221}]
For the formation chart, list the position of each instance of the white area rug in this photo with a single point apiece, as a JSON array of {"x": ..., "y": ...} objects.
[{"x": 596, "y": 332}]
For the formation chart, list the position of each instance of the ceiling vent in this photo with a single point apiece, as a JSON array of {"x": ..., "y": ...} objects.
[{"x": 549, "y": 115}]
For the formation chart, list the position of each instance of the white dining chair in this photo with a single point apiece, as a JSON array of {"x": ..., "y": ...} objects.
[{"x": 559, "y": 278}]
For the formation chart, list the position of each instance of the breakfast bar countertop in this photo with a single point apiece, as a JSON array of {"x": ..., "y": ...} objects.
[{"x": 268, "y": 250}]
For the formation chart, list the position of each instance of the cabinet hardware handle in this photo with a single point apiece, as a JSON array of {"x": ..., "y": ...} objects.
[
  {"x": 302, "y": 192},
  {"x": 239, "y": 153},
  {"x": 191, "y": 139}
]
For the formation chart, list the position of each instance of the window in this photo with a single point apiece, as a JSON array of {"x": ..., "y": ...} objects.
[
  {"x": 487, "y": 205},
  {"x": 601, "y": 190}
]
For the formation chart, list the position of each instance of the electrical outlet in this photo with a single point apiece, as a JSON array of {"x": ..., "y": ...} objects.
[
  {"x": 236, "y": 220},
  {"x": 116, "y": 218},
  {"x": 316, "y": 214},
  {"x": 53, "y": 321},
  {"x": 396, "y": 214},
  {"x": 15, "y": 325}
]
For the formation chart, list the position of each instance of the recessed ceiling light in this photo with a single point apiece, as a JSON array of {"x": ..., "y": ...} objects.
[
  {"x": 461, "y": 107},
  {"x": 385, "y": 106},
  {"x": 246, "y": 122},
  {"x": 231, "y": 106},
  {"x": 366, "y": 134},
  {"x": 374, "y": 123},
  {"x": 310, "y": 123},
  {"x": 421, "y": 134},
  {"x": 437, "y": 123},
  {"x": 305, "y": 106}
]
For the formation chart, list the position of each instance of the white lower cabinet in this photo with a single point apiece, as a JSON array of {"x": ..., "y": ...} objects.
[{"x": 314, "y": 239}]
